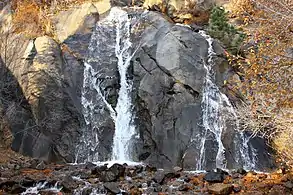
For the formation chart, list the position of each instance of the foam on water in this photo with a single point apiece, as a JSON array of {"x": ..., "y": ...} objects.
[{"x": 42, "y": 187}]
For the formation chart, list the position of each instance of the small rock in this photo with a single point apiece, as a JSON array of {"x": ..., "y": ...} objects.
[
  {"x": 107, "y": 176},
  {"x": 41, "y": 166},
  {"x": 157, "y": 187},
  {"x": 241, "y": 171},
  {"x": 288, "y": 184},
  {"x": 171, "y": 175},
  {"x": 222, "y": 171},
  {"x": 149, "y": 168},
  {"x": 85, "y": 174},
  {"x": 177, "y": 169},
  {"x": 185, "y": 187},
  {"x": 69, "y": 184},
  {"x": 236, "y": 188},
  {"x": 90, "y": 165},
  {"x": 99, "y": 169},
  {"x": 220, "y": 189},
  {"x": 118, "y": 170},
  {"x": 236, "y": 175},
  {"x": 214, "y": 177},
  {"x": 159, "y": 177},
  {"x": 138, "y": 169},
  {"x": 135, "y": 191},
  {"x": 112, "y": 187},
  {"x": 17, "y": 189}
]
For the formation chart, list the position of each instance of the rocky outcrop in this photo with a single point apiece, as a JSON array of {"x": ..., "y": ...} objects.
[
  {"x": 168, "y": 72},
  {"x": 49, "y": 76},
  {"x": 170, "y": 75}
]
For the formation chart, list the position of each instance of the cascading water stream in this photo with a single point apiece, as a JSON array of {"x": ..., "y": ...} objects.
[
  {"x": 111, "y": 38},
  {"x": 211, "y": 107},
  {"x": 123, "y": 128},
  {"x": 216, "y": 109}
]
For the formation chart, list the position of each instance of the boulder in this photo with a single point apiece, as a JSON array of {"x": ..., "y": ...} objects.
[
  {"x": 220, "y": 189},
  {"x": 214, "y": 177},
  {"x": 78, "y": 20},
  {"x": 112, "y": 187}
]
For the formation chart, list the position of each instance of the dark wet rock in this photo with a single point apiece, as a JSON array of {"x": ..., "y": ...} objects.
[
  {"x": 139, "y": 169},
  {"x": 17, "y": 189},
  {"x": 90, "y": 166},
  {"x": 186, "y": 178},
  {"x": 46, "y": 192},
  {"x": 162, "y": 177},
  {"x": 99, "y": 169},
  {"x": 222, "y": 171},
  {"x": 220, "y": 189},
  {"x": 159, "y": 177},
  {"x": 185, "y": 187},
  {"x": 214, "y": 177},
  {"x": 112, "y": 174},
  {"x": 69, "y": 184},
  {"x": 133, "y": 171},
  {"x": 85, "y": 174},
  {"x": 241, "y": 171},
  {"x": 27, "y": 182},
  {"x": 150, "y": 168},
  {"x": 112, "y": 187},
  {"x": 157, "y": 187},
  {"x": 107, "y": 176}
]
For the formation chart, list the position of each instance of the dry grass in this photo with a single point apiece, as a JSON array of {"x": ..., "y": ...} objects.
[
  {"x": 283, "y": 141},
  {"x": 276, "y": 128},
  {"x": 33, "y": 17}
]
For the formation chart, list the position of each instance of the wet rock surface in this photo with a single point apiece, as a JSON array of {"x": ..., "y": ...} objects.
[{"x": 135, "y": 180}]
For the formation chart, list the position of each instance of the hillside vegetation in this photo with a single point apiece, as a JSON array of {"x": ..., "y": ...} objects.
[{"x": 265, "y": 70}]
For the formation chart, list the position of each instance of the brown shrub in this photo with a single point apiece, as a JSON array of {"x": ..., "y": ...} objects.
[{"x": 266, "y": 70}]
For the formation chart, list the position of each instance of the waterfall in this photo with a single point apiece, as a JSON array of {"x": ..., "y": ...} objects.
[
  {"x": 110, "y": 40},
  {"x": 123, "y": 128},
  {"x": 212, "y": 101},
  {"x": 217, "y": 109}
]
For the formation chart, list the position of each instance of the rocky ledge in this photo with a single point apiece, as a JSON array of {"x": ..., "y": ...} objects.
[{"x": 36, "y": 177}]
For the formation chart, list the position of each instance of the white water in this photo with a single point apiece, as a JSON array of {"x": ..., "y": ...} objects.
[
  {"x": 114, "y": 31},
  {"x": 217, "y": 109},
  {"x": 212, "y": 103},
  {"x": 123, "y": 128},
  {"x": 43, "y": 187}
]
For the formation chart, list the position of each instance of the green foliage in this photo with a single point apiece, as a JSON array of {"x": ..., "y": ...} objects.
[{"x": 219, "y": 28}]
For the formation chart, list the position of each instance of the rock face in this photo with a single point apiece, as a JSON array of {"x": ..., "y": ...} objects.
[
  {"x": 168, "y": 72},
  {"x": 49, "y": 79}
]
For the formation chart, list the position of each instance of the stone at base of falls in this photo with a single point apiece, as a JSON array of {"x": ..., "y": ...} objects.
[
  {"x": 220, "y": 189},
  {"x": 112, "y": 174},
  {"x": 162, "y": 177},
  {"x": 112, "y": 187},
  {"x": 214, "y": 177},
  {"x": 68, "y": 184},
  {"x": 71, "y": 181}
]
